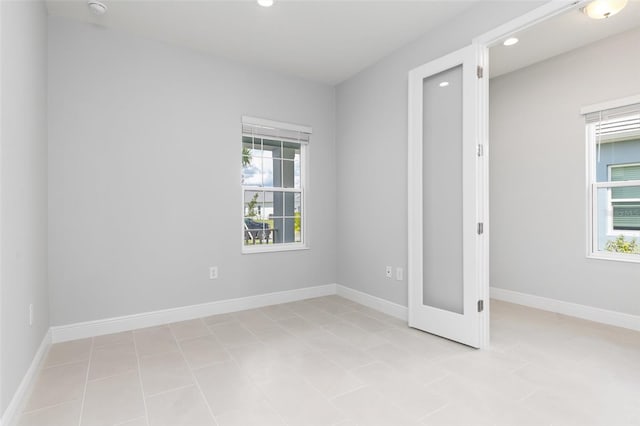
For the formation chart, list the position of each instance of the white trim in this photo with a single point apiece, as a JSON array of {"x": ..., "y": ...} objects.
[
  {"x": 529, "y": 19},
  {"x": 21, "y": 394},
  {"x": 373, "y": 302},
  {"x": 272, "y": 248},
  {"x": 604, "y": 316},
  {"x": 263, "y": 122},
  {"x": 81, "y": 330},
  {"x": 615, "y": 103}
]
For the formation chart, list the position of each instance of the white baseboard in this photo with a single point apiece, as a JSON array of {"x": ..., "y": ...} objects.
[
  {"x": 81, "y": 330},
  {"x": 373, "y": 302},
  {"x": 16, "y": 404},
  {"x": 590, "y": 313}
]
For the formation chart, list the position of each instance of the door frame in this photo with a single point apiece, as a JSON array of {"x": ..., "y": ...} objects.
[{"x": 481, "y": 44}]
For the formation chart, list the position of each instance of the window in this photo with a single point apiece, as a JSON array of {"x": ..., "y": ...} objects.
[
  {"x": 273, "y": 185},
  {"x": 613, "y": 147}
]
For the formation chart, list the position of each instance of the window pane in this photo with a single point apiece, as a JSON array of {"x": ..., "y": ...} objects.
[
  {"x": 253, "y": 204},
  {"x": 623, "y": 173},
  {"x": 274, "y": 147},
  {"x": 626, "y": 216},
  {"x": 617, "y": 224}
]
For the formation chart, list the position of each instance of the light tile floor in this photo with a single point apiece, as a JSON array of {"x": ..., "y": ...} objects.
[{"x": 329, "y": 361}]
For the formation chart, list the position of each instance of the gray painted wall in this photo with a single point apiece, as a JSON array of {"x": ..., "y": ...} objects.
[
  {"x": 23, "y": 188},
  {"x": 372, "y": 152},
  {"x": 144, "y": 175},
  {"x": 538, "y": 200}
]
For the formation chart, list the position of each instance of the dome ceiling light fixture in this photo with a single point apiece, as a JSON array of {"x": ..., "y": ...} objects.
[
  {"x": 601, "y": 9},
  {"x": 265, "y": 3},
  {"x": 97, "y": 7},
  {"x": 510, "y": 41}
]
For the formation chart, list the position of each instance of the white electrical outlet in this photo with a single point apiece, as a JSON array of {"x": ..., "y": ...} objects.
[
  {"x": 389, "y": 272},
  {"x": 213, "y": 273},
  {"x": 31, "y": 314},
  {"x": 399, "y": 274}
]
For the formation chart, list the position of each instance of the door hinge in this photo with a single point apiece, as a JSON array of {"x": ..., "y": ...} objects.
[
  {"x": 480, "y": 71},
  {"x": 480, "y": 150},
  {"x": 480, "y": 228},
  {"x": 480, "y": 305}
]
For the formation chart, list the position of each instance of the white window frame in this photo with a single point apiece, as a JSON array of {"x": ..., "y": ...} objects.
[
  {"x": 593, "y": 185},
  {"x": 303, "y": 190}
]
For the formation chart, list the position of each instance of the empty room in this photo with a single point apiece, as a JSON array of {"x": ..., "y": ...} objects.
[{"x": 340, "y": 213}]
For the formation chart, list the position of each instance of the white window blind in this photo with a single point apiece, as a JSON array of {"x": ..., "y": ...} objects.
[
  {"x": 615, "y": 124},
  {"x": 269, "y": 129}
]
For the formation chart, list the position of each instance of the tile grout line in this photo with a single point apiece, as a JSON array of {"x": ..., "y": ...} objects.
[
  {"x": 86, "y": 384},
  {"x": 144, "y": 400},
  {"x": 193, "y": 376},
  {"x": 251, "y": 381},
  {"x": 304, "y": 379}
]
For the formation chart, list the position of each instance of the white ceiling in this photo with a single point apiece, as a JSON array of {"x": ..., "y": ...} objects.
[
  {"x": 561, "y": 34},
  {"x": 326, "y": 41}
]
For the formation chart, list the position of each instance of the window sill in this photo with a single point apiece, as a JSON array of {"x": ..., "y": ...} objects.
[
  {"x": 630, "y": 258},
  {"x": 252, "y": 249}
]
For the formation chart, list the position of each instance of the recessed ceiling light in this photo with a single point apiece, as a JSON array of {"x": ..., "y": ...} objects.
[
  {"x": 444, "y": 84},
  {"x": 265, "y": 3},
  {"x": 97, "y": 8},
  {"x": 600, "y": 9},
  {"x": 510, "y": 41}
]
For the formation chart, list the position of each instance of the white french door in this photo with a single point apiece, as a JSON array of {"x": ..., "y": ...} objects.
[{"x": 446, "y": 168}]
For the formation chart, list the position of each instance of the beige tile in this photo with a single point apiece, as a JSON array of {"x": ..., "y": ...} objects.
[
  {"x": 219, "y": 319},
  {"x": 233, "y": 334},
  {"x": 277, "y": 312},
  {"x": 327, "y": 377},
  {"x": 155, "y": 340},
  {"x": 140, "y": 421},
  {"x": 181, "y": 407},
  {"x": 318, "y": 316},
  {"x": 299, "y": 326},
  {"x": 227, "y": 389},
  {"x": 293, "y": 364},
  {"x": 281, "y": 341},
  {"x": 299, "y": 403},
  {"x": 112, "y": 339},
  {"x": 363, "y": 321},
  {"x": 112, "y": 400},
  {"x": 341, "y": 352},
  {"x": 462, "y": 414},
  {"x": 367, "y": 407},
  {"x": 164, "y": 372},
  {"x": 260, "y": 363},
  {"x": 189, "y": 329},
  {"x": 261, "y": 415},
  {"x": 111, "y": 360},
  {"x": 254, "y": 319},
  {"x": 66, "y": 414},
  {"x": 66, "y": 352},
  {"x": 203, "y": 351},
  {"x": 55, "y": 385},
  {"x": 415, "y": 399},
  {"x": 355, "y": 335},
  {"x": 331, "y": 306}
]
